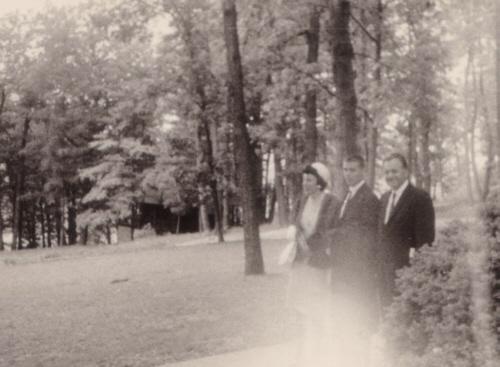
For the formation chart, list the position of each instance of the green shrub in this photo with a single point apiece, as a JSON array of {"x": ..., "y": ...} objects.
[
  {"x": 491, "y": 218},
  {"x": 432, "y": 321},
  {"x": 491, "y": 213}
]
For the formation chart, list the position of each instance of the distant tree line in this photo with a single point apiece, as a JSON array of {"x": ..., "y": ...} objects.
[{"x": 103, "y": 105}]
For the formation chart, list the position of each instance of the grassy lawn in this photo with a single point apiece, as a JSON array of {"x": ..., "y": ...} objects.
[{"x": 143, "y": 303}]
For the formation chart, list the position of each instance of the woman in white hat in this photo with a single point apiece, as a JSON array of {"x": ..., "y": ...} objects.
[{"x": 309, "y": 291}]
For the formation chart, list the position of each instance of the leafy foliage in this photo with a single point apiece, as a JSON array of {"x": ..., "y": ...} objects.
[
  {"x": 491, "y": 217},
  {"x": 127, "y": 101},
  {"x": 434, "y": 321}
]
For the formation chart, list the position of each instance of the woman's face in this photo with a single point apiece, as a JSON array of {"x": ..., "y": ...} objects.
[{"x": 310, "y": 184}]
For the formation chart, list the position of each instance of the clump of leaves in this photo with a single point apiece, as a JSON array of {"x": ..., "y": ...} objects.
[
  {"x": 490, "y": 213},
  {"x": 491, "y": 217},
  {"x": 433, "y": 320}
]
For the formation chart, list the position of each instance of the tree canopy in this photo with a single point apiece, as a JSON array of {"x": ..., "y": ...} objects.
[{"x": 107, "y": 106}]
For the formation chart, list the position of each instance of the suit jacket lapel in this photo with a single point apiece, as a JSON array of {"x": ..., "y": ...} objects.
[
  {"x": 354, "y": 201},
  {"x": 402, "y": 202},
  {"x": 321, "y": 213}
]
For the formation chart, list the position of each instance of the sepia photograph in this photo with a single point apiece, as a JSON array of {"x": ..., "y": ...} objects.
[{"x": 249, "y": 183}]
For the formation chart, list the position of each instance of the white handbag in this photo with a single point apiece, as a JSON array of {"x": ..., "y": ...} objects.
[{"x": 288, "y": 254}]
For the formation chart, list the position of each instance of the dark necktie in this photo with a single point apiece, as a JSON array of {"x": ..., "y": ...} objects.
[{"x": 392, "y": 203}]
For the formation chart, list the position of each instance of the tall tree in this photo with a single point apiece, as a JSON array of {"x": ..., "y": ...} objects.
[
  {"x": 202, "y": 99},
  {"x": 254, "y": 263},
  {"x": 347, "y": 129},
  {"x": 313, "y": 42},
  {"x": 373, "y": 128},
  {"x": 497, "y": 39}
]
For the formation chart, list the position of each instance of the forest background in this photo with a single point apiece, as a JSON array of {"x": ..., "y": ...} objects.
[
  {"x": 106, "y": 105},
  {"x": 218, "y": 106}
]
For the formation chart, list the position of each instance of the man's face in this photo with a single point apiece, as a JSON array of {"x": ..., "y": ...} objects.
[
  {"x": 353, "y": 173},
  {"x": 395, "y": 173}
]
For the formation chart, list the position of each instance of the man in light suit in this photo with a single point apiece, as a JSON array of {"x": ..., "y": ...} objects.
[{"x": 406, "y": 223}]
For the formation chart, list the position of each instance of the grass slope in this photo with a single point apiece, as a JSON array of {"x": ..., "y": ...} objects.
[{"x": 143, "y": 303}]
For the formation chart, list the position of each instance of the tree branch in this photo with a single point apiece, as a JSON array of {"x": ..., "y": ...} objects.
[
  {"x": 308, "y": 74},
  {"x": 71, "y": 141},
  {"x": 370, "y": 36},
  {"x": 2, "y": 101}
]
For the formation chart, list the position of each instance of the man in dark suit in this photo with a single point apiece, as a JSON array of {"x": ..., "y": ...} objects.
[
  {"x": 355, "y": 311},
  {"x": 354, "y": 240},
  {"x": 406, "y": 223}
]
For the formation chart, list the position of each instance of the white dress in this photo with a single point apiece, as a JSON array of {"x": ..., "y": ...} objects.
[{"x": 309, "y": 287}]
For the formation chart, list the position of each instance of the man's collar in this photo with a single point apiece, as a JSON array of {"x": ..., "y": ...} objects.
[
  {"x": 354, "y": 189},
  {"x": 401, "y": 188}
]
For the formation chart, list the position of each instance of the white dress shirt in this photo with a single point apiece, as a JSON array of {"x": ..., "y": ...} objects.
[
  {"x": 393, "y": 199},
  {"x": 352, "y": 191}
]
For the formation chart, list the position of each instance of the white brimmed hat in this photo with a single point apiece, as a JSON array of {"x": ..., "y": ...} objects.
[{"x": 320, "y": 171}]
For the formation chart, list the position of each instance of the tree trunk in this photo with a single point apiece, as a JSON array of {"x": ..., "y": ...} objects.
[
  {"x": 72, "y": 232},
  {"x": 108, "y": 234},
  {"x": 372, "y": 125},
  {"x": 466, "y": 172},
  {"x": 258, "y": 178},
  {"x": 411, "y": 146},
  {"x": 271, "y": 205},
  {"x": 280, "y": 191},
  {"x": 254, "y": 263},
  {"x": 371, "y": 160},
  {"x": 415, "y": 158},
  {"x": 425, "y": 156},
  {"x": 471, "y": 116},
  {"x": 17, "y": 226},
  {"x": 84, "y": 235},
  {"x": 213, "y": 182},
  {"x": 490, "y": 152},
  {"x": 42, "y": 223},
  {"x": 498, "y": 83},
  {"x": 468, "y": 120},
  {"x": 199, "y": 55},
  {"x": 20, "y": 223},
  {"x": 31, "y": 225},
  {"x": 203, "y": 216},
  {"x": 489, "y": 168},
  {"x": 225, "y": 207},
  {"x": 208, "y": 154},
  {"x": 1, "y": 226},
  {"x": 49, "y": 225},
  {"x": 310, "y": 129},
  {"x": 2, "y": 103},
  {"x": 203, "y": 213},
  {"x": 133, "y": 220},
  {"x": 269, "y": 193},
  {"x": 475, "y": 173},
  {"x": 294, "y": 169},
  {"x": 59, "y": 218},
  {"x": 228, "y": 181},
  {"x": 3, "y": 97},
  {"x": 439, "y": 183},
  {"x": 346, "y": 132},
  {"x": 58, "y": 222},
  {"x": 256, "y": 161}
]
